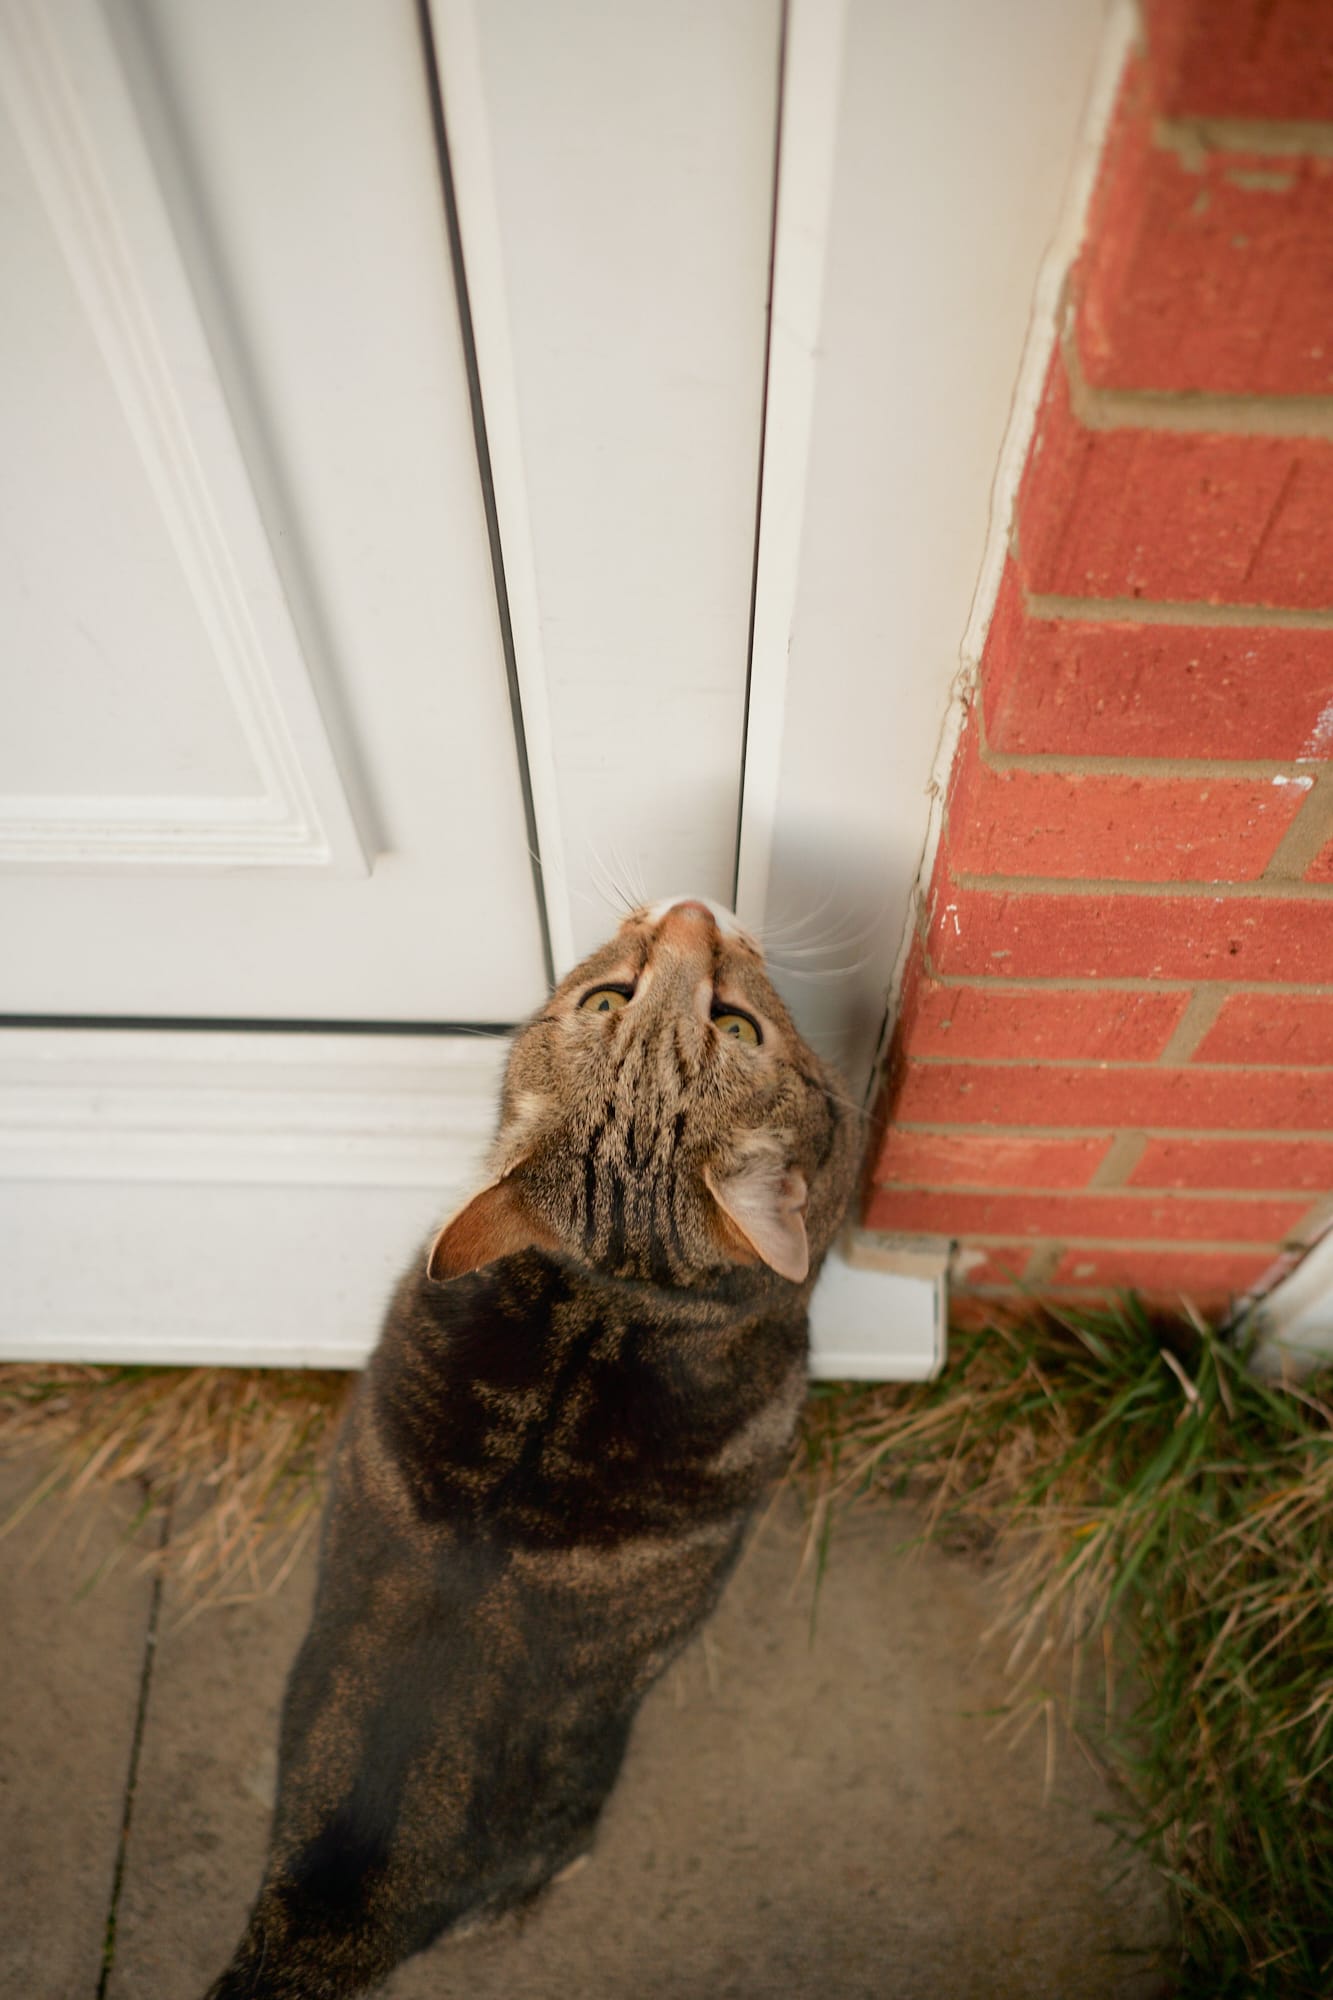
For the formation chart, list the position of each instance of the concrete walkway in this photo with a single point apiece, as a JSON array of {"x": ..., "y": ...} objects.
[{"x": 830, "y": 1814}]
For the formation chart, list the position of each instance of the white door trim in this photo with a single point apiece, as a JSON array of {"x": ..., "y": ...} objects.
[
  {"x": 137, "y": 1178},
  {"x": 811, "y": 93},
  {"x": 1295, "y": 1321},
  {"x": 137, "y": 1171}
]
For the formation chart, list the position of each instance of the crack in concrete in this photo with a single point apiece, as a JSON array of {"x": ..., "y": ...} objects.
[{"x": 132, "y": 1775}]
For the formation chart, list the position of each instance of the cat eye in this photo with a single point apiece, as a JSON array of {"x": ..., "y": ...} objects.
[
  {"x": 605, "y": 999},
  {"x": 728, "y": 1021}
]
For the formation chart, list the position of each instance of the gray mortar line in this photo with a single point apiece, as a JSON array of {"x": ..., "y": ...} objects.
[
  {"x": 1189, "y": 410},
  {"x": 1308, "y": 834},
  {"x": 1175, "y": 611},
  {"x": 1113, "y": 1171},
  {"x": 1320, "y": 1135},
  {"x": 1191, "y": 1246},
  {"x": 1111, "y": 885},
  {"x": 1199, "y": 1016},
  {"x": 1123, "y": 985},
  {"x": 1041, "y": 1265},
  {"x": 1293, "y": 138},
  {"x": 1098, "y": 1064},
  {"x": 1056, "y": 763}
]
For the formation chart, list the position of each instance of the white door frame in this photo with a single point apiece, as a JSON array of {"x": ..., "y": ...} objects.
[{"x": 808, "y": 788}]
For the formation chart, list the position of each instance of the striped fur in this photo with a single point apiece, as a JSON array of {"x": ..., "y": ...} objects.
[{"x": 549, "y": 1465}]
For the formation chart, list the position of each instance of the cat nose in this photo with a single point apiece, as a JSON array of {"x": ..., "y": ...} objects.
[
  {"x": 688, "y": 916},
  {"x": 682, "y": 967}
]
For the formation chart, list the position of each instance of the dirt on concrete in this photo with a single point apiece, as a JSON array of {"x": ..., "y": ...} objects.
[{"x": 817, "y": 1801}]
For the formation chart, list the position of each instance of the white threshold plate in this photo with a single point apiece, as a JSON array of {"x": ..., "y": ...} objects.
[
  {"x": 213, "y": 1198},
  {"x": 1294, "y": 1322}
]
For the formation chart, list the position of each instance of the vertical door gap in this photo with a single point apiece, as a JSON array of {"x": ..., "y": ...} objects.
[
  {"x": 763, "y": 432},
  {"x": 484, "y": 469}
]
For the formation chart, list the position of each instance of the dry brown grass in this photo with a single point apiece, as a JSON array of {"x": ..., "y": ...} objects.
[
  {"x": 1145, "y": 1496},
  {"x": 237, "y": 1456}
]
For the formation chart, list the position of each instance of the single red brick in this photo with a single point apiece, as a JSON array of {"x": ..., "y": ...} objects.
[
  {"x": 1076, "y": 687},
  {"x": 971, "y": 1312},
  {"x": 944, "y": 1159},
  {"x": 1075, "y": 1097},
  {"x": 1079, "y": 826},
  {"x": 1025, "y": 934},
  {"x": 1125, "y": 1217},
  {"x": 1239, "y": 1164},
  {"x": 1271, "y": 1028},
  {"x": 1321, "y": 868},
  {"x": 1242, "y": 58},
  {"x": 1207, "y": 1279},
  {"x": 1175, "y": 515},
  {"x": 1102, "y": 1299},
  {"x": 1042, "y": 1021},
  {"x": 990, "y": 1264},
  {"x": 1217, "y": 277}
]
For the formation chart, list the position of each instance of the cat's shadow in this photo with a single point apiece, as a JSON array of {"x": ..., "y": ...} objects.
[{"x": 820, "y": 1807}]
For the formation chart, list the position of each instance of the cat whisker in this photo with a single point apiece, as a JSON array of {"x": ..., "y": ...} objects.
[
  {"x": 775, "y": 927},
  {"x": 616, "y": 877},
  {"x": 635, "y": 888},
  {"x": 833, "y": 940},
  {"x": 820, "y": 972},
  {"x": 858, "y": 1111},
  {"x": 612, "y": 895}
]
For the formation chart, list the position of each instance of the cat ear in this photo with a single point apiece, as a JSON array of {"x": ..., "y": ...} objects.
[
  {"x": 765, "y": 1203},
  {"x": 495, "y": 1223}
]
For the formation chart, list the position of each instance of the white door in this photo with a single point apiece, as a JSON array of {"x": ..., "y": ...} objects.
[
  {"x": 379, "y": 520},
  {"x": 258, "y": 748},
  {"x": 407, "y": 538}
]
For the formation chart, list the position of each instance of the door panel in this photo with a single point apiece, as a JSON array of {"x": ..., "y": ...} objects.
[
  {"x": 156, "y": 710},
  {"x": 266, "y": 764},
  {"x": 614, "y": 164}
]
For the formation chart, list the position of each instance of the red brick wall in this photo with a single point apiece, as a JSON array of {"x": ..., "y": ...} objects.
[{"x": 1113, "y": 1064}]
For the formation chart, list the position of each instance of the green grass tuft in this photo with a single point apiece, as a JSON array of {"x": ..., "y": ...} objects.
[{"x": 1146, "y": 1493}]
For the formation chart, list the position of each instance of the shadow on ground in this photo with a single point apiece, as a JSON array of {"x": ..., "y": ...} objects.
[{"x": 830, "y": 1813}]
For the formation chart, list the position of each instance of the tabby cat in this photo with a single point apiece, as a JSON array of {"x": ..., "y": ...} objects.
[{"x": 547, "y": 1470}]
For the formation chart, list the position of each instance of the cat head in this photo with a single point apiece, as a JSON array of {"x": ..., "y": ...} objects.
[{"x": 662, "y": 1118}]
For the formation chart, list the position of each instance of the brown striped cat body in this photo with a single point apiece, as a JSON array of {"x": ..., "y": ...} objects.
[{"x": 547, "y": 1470}]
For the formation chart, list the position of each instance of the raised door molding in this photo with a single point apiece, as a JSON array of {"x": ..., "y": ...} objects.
[
  {"x": 71, "y": 113},
  {"x": 183, "y": 1198}
]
